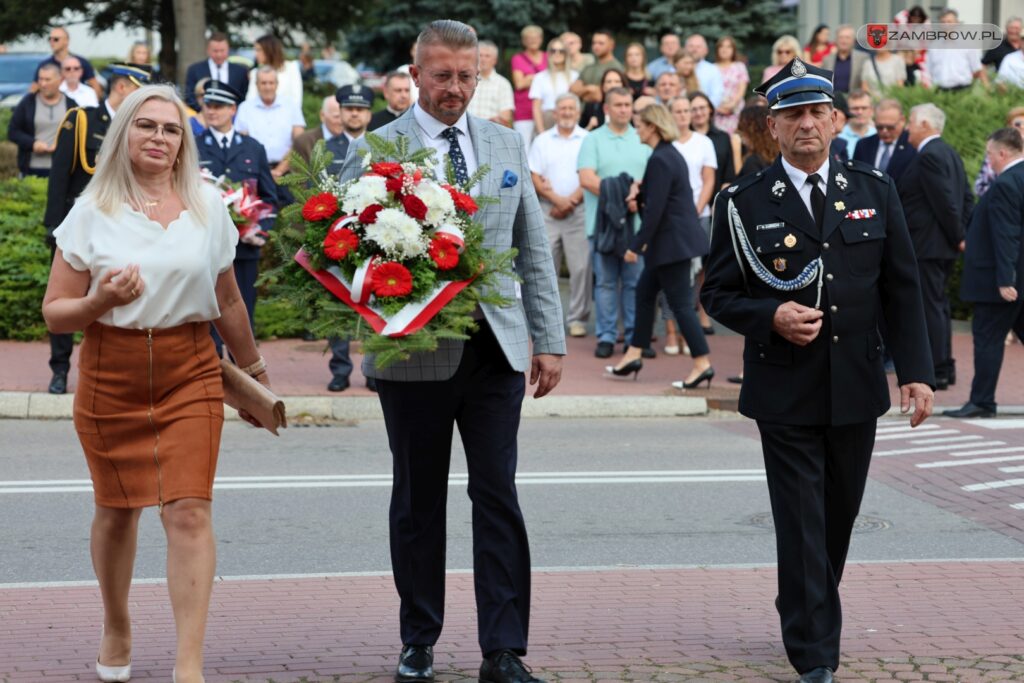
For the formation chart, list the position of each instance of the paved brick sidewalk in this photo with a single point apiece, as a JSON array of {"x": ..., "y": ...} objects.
[{"x": 938, "y": 621}]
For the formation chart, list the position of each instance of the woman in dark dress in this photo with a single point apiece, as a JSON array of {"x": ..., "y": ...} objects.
[
  {"x": 593, "y": 112},
  {"x": 670, "y": 239}
]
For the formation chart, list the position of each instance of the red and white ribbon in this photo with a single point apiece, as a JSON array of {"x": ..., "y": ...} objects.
[
  {"x": 453, "y": 234},
  {"x": 362, "y": 280},
  {"x": 860, "y": 214}
]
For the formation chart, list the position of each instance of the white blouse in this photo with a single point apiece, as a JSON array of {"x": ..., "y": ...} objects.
[
  {"x": 179, "y": 266},
  {"x": 289, "y": 83},
  {"x": 548, "y": 85}
]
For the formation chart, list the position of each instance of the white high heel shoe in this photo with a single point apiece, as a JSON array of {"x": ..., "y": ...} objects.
[{"x": 114, "y": 674}]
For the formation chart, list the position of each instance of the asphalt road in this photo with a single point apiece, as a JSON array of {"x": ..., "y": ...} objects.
[{"x": 596, "y": 493}]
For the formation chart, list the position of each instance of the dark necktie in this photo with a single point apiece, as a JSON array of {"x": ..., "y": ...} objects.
[
  {"x": 883, "y": 163},
  {"x": 224, "y": 142},
  {"x": 817, "y": 199},
  {"x": 455, "y": 154}
]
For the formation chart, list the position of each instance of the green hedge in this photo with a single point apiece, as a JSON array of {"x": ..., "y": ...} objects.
[{"x": 24, "y": 258}]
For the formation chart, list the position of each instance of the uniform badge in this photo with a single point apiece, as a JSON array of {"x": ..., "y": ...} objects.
[
  {"x": 67, "y": 125},
  {"x": 208, "y": 140},
  {"x": 248, "y": 161},
  {"x": 779, "y": 264},
  {"x": 790, "y": 241},
  {"x": 861, "y": 214},
  {"x": 798, "y": 70},
  {"x": 841, "y": 181},
  {"x": 733, "y": 188},
  {"x": 840, "y": 206},
  {"x": 877, "y": 172},
  {"x": 779, "y": 188}
]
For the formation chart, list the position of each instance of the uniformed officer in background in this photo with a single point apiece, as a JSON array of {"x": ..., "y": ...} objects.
[
  {"x": 225, "y": 152},
  {"x": 74, "y": 161},
  {"x": 807, "y": 257}
]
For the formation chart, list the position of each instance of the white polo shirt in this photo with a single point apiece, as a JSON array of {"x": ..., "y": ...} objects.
[
  {"x": 554, "y": 157},
  {"x": 952, "y": 68},
  {"x": 270, "y": 124}
]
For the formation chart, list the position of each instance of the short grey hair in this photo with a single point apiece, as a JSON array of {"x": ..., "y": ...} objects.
[
  {"x": 267, "y": 69},
  {"x": 325, "y": 105},
  {"x": 448, "y": 32},
  {"x": 568, "y": 96},
  {"x": 947, "y": 11},
  {"x": 889, "y": 104},
  {"x": 486, "y": 45},
  {"x": 1013, "y": 19},
  {"x": 49, "y": 66},
  {"x": 930, "y": 114},
  {"x": 392, "y": 75}
]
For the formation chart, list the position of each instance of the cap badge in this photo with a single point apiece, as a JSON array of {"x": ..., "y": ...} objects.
[
  {"x": 841, "y": 181},
  {"x": 779, "y": 188},
  {"x": 798, "y": 70}
]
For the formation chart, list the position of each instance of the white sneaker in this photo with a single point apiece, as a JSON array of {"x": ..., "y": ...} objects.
[{"x": 577, "y": 330}]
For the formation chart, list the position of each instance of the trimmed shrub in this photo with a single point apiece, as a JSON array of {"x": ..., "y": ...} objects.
[{"x": 24, "y": 258}]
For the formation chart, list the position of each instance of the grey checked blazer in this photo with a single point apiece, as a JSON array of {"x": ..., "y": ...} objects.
[{"x": 517, "y": 222}]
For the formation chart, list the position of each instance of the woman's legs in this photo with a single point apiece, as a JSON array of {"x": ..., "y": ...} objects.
[
  {"x": 675, "y": 282},
  {"x": 191, "y": 560},
  {"x": 112, "y": 543},
  {"x": 643, "y": 326}
]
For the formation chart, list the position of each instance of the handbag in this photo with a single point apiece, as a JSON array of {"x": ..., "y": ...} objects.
[{"x": 242, "y": 392}]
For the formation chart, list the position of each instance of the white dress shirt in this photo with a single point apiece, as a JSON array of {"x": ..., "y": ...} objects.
[
  {"x": 270, "y": 124},
  {"x": 218, "y": 73},
  {"x": 430, "y": 133},
  {"x": 83, "y": 95},
  {"x": 952, "y": 68},
  {"x": 553, "y": 157},
  {"x": 881, "y": 151},
  {"x": 1011, "y": 69},
  {"x": 799, "y": 180}
]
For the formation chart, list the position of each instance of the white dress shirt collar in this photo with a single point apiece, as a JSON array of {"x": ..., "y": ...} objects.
[
  {"x": 433, "y": 128},
  {"x": 110, "y": 110},
  {"x": 219, "y": 136},
  {"x": 799, "y": 180},
  {"x": 218, "y": 71},
  {"x": 1011, "y": 165},
  {"x": 926, "y": 141}
]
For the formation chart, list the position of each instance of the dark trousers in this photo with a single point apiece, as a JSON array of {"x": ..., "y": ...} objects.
[
  {"x": 674, "y": 280},
  {"x": 61, "y": 345},
  {"x": 246, "y": 271},
  {"x": 989, "y": 327},
  {"x": 935, "y": 274},
  {"x": 341, "y": 362},
  {"x": 816, "y": 478},
  {"x": 484, "y": 399}
]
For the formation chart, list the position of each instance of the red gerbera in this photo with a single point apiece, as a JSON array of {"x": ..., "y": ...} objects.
[
  {"x": 368, "y": 216},
  {"x": 320, "y": 207},
  {"x": 388, "y": 169},
  {"x": 414, "y": 207},
  {"x": 340, "y": 243},
  {"x": 463, "y": 202},
  {"x": 444, "y": 253},
  {"x": 392, "y": 279},
  {"x": 394, "y": 185}
]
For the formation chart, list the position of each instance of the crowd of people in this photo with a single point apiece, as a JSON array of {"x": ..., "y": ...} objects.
[{"x": 819, "y": 179}]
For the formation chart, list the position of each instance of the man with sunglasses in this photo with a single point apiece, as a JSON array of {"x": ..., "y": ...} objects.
[
  {"x": 74, "y": 161},
  {"x": 60, "y": 42},
  {"x": 888, "y": 149},
  {"x": 71, "y": 71}
]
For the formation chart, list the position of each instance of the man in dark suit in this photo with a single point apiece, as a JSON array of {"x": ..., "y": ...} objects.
[
  {"x": 71, "y": 170},
  {"x": 225, "y": 152},
  {"x": 397, "y": 86},
  {"x": 477, "y": 384},
  {"x": 888, "y": 149},
  {"x": 217, "y": 68},
  {"x": 993, "y": 276},
  {"x": 798, "y": 252},
  {"x": 937, "y": 202}
]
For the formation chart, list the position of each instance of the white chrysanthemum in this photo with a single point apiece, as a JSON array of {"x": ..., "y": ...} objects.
[
  {"x": 439, "y": 203},
  {"x": 364, "y": 192},
  {"x": 399, "y": 235}
]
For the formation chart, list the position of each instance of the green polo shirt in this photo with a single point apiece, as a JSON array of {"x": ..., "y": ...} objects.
[{"x": 609, "y": 155}]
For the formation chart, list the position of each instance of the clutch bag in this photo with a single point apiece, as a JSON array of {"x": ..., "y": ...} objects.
[{"x": 242, "y": 392}]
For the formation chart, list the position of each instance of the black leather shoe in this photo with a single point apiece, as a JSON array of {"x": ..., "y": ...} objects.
[
  {"x": 736, "y": 379},
  {"x": 506, "y": 667},
  {"x": 649, "y": 353},
  {"x": 604, "y": 350},
  {"x": 416, "y": 663},
  {"x": 821, "y": 674},
  {"x": 969, "y": 410},
  {"x": 59, "y": 383},
  {"x": 338, "y": 384}
]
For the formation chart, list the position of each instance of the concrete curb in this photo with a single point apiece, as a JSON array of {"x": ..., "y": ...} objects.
[{"x": 40, "y": 406}]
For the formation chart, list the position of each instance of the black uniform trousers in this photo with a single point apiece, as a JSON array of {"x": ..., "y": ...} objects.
[
  {"x": 674, "y": 280},
  {"x": 989, "y": 327},
  {"x": 816, "y": 478},
  {"x": 340, "y": 363},
  {"x": 246, "y": 271},
  {"x": 484, "y": 398},
  {"x": 938, "y": 316},
  {"x": 61, "y": 345}
]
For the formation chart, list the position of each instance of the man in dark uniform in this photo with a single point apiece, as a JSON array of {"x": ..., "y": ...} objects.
[
  {"x": 225, "y": 152},
  {"x": 807, "y": 256},
  {"x": 81, "y": 131}
]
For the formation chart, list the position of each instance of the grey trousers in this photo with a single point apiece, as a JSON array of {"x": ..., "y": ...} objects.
[{"x": 568, "y": 238}]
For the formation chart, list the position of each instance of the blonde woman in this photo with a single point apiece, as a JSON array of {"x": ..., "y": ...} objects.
[
  {"x": 686, "y": 67},
  {"x": 638, "y": 78},
  {"x": 549, "y": 84},
  {"x": 783, "y": 50},
  {"x": 143, "y": 265},
  {"x": 140, "y": 54},
  {"x": 525, "y": 66}
]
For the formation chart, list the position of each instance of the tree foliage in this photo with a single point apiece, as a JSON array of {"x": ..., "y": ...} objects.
[{"x": 751, "y": 22}]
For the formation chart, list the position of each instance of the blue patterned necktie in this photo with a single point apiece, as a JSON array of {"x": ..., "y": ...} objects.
[
  {"x": 455, "y": 154},
  {"x": 883, "y": 163}
]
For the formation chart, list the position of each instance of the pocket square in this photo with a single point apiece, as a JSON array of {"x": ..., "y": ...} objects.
[{"x": 509, "y": 180}]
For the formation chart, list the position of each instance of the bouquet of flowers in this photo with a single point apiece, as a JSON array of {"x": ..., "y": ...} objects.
[
  {"x": 244, "y": 204},
  {"x": 393, "y": 258}
]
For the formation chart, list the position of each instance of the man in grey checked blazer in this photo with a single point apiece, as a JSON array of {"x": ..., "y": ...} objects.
[{"x": 478, "y": 385}]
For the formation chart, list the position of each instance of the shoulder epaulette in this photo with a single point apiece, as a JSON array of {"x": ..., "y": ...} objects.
[
  {"x": 867, "y": 169},
  {"x": 743, "y": 183}
]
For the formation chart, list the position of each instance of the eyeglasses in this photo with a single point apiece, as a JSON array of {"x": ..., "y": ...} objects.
[
  {"x": 556, "y": 51},
  {"x": 1019, "y": 123},
  {"x": 886, "y": 126},
  {"x": 71, "y": 68},
  {"x": 783, "y": 52},
  {"x": 445, "y": 79},
  {"x": 150, "y": 128},
  {"x": 54, "y": 39},
  {"x": 699, "y": 107}
]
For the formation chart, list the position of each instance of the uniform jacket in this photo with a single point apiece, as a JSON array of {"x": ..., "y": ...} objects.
[
  {"x": 936, "y": 201},
  {"x": 670, "y": 231},
  {"x": 245, "y": 159},
  {"x": 22, "y": 128},
  {"x": 68, "y": 176},
  {"x": 338, "y": 146},
  {"x": 994, "y": 256},
  {"x": 869, "y": 273},
  {"x": 238, "y": 78},
  {"x": 902, "y": 154},
  {"x": 514, "y": 221}
]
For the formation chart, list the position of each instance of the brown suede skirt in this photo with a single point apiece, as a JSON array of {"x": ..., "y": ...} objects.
[{"x": 149, "y": 412}]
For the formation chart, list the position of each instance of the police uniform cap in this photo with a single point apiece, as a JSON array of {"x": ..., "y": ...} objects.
[
  {"x": 219, "y": 92},
  {"x": 139, "y": 74},
  {"x": 354, "y": 96},
  {"x": 797, "y": 83}
]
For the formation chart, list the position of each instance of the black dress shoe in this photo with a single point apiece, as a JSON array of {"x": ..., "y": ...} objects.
[
  {"x": 709, "y": 330},
  {"x": 604, "y": 350},
  {"x": 506, "y": 667},
  {"x": 416, "y": 663},
  {"x": 338, "y": 384},
  {"x": 59, "y": 383},
  {"x": 736, "y": 379},
  {"x": 649, "y": 353},
  {"x": 969, "y": 410},
  {"x": 821, "y": 674}
]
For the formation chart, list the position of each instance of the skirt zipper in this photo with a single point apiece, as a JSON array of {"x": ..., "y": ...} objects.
[{"x": 156, "y": 432}]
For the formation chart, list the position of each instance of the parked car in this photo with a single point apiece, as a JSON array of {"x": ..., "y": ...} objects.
[{"x": 17, "y": 73}]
